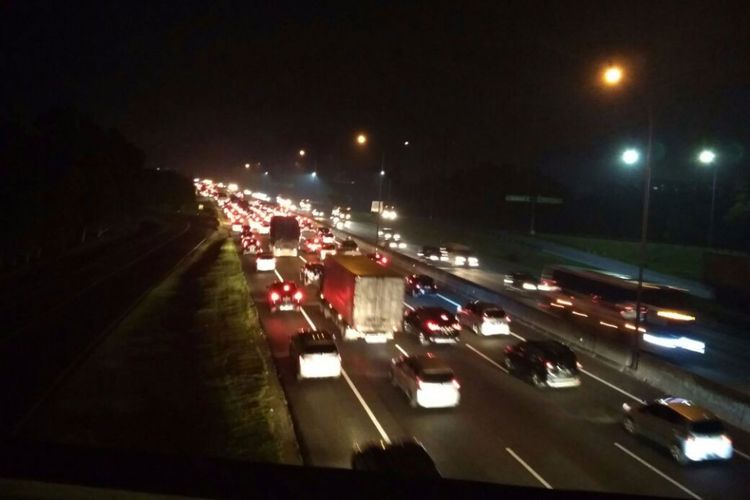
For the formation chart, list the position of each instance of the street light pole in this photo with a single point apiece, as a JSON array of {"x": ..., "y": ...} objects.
[
  {"x": 635, "y": 348},
  {"x": 380, "y": 199},
  {"x": 713, "y": 209}
]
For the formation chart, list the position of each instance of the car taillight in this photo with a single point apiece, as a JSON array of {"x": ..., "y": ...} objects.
[
  {"x": 579, "y": 365},
  {"x": 419, "y": 383},
  {"x": 431, "y": 325},
  {"x": 508, "y": 349},
  {"x": 286, "y": 288},
  {"x": 275, "y": 296},
  {"x": 298, "y": 296},
  {"x": 456, "y": 384},
  {"x": 507, "y": 318},
  {"x": 726, "y": 439},
  {"x": 457, "y": 326},
  {"x": 549, "y": 365}
]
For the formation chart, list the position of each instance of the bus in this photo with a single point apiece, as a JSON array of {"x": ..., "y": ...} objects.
[{"x": 609, "y": 299}]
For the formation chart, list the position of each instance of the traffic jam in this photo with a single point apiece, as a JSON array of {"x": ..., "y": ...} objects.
[{"x": 353, "y": 303}]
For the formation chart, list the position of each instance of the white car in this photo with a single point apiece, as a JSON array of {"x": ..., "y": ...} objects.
[
  {"x": 426, "y": 380},
  {"x": 484, "y": 318},
  {"x": 316, "y": 355},
  {"x": 265, "y": 262}
]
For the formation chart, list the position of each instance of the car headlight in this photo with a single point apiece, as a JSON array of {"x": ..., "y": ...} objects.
[
  {"x": 460, "y": 260},
  {"x": 402, "y": 245}
]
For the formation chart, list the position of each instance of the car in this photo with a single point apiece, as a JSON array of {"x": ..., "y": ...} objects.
[
  {"x": 426, "y": 380},
  {"x": 380, "y": 258},
  {"x": 388, "y": 234},
  {"x": 326, "y": 236},
  {"x": 284, "y": 296},
  {"x": 318, "y": 214},
  {"x": 431, "y": 325},
  {"x": 327, "y": 249},
  {"x": 521, "y": 281},
  {"x": 389, "y": 212},
  {"x": 311, "y": 273},
  {"x": 402, "y": 459},
  {"x": 315, "y": 354},
  {"x": 349, "y": 247},
  {"x": 459, "y": 255},
  {"x": 433, "y": 254},
  {"x": 250, "y": 245},
  {"x": 264, "y": 228},
  {"x": 420, "y": 284},
  {"x": 311, "y": 245},
  {"x": 484, "y": 318},
  {"x": 265, "y": 261},
  {"x": 547, "y": 363},
  {"x": 690, "y": 432},
  {"x": 236, "y": 227}
]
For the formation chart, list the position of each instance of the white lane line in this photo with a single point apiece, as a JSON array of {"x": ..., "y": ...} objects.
[
  {"x": 278, "y": 275},
  {"x": 302, "y": 259},
  {"x": 528, "y": 468},
  {"x": 742, "y": 454},
  {"x": 487, "y": 358},
  {"x": 448, "y": 300},
  {"x": 309, "y": 321},
  {"x": 354, "y": 389},
  {"x": 683, "y": 488},
  {"x": 403, "y": 351},
  {"x": 367, "y": 408},
  {"x": 518, "y": 336},
  {"x": 613, "y": 386},
  {"x": 410, "y": 307}
]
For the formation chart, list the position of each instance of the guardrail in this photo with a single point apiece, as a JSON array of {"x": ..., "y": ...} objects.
[{"x": 731, "y": 405}]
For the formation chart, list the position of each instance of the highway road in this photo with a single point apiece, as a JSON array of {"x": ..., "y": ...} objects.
[
  {"x": 726, "y": 358},
  {"x": 504, "y": 430}
]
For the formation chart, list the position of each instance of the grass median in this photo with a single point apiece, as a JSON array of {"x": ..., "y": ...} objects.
[{"x": 187, "y": 371}]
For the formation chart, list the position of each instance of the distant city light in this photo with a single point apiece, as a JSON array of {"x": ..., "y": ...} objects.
[
  {"x": 314, "y": 174},
  {"x": 302, "y": 152},
  {"x": 631, "y": 156},
  {"x": 382, "y": 172},
  {"x": 406, "y": 143}
]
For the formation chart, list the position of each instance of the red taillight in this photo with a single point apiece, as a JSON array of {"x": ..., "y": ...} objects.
[
  {"x": 431, "y": 325},
  {"x": 457, "y": 326},
  {"x": 286, "y": 288},
  {"x": 507, "y": 318},
  {"x": 456, "y": 384},
  {"x": 579, "y": 365},
  {"x": 508, "y": 348},
  {"x": 274, "y": 296},
  {"x": 298, "y": 296},
  {"x": 419, "y": 383},
  {"x": 549, "y": 365}
]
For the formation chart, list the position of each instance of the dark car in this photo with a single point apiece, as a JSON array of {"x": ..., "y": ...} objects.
[
  {"x": 547, "y": 363},
  {"x": 405, "y": 459},
  {"x": 380, "y": 258},
  {"x": 432, "y": 324},
  {"x": 521, "y": 281},
  {"x": 349, "y": 247},
  {"x": 284, "y": 296},
  {"x": 433, "y": 254},
  {"x": 690, "y": 432},
  {"x": 484, "y": 318},
  {"x": 420, "y": 284},
  {"x": 311, "y": 273}
]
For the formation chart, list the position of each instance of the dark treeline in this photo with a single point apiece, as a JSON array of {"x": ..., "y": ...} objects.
[{"x": 65, "y": 181}]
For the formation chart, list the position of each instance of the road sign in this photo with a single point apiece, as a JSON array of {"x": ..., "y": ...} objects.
[{"x": 376, "y": 207}]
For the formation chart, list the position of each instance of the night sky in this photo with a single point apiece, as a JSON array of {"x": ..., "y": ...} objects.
[{"x": 204, "y": 87}]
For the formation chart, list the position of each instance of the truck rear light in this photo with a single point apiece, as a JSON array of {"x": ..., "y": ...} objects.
[{"x": 431, "y": 325}]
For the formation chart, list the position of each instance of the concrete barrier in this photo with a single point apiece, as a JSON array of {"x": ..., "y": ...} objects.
[{"x": 730, "y": 405}]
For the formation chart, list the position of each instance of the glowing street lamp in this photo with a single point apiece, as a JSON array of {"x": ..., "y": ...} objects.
[
  {"x": 302, "y": 152},
  {"x": 247, "y": 165},
  {"x": 630, "y": 156},
  {"x": 613, "y": 75},
  {"x": 314, "y": 174},
  {"x": 707, "y": 158},
  {"x": 361, "y": 139}
]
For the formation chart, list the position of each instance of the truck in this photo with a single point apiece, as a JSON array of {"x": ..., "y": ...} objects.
[
  {"x": 364, "y": 299},
  {"x": 284, "y": 236}
]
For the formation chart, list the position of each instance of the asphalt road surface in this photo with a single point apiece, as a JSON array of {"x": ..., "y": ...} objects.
[{"x": 504, "y": 430}]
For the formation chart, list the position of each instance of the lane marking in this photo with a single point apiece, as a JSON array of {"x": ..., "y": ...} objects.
[
  {"x": 278, "y": 275},
  {"x": 367, "y": 408},
  {"x": 302, "y": 259},
  {"x": 742, "y": 454},
  {"x": 683, "y": 488},
  {"x": 487, "y": 358},
  {"x": 613, "y": 386},
  {"x": 517, "y": 336},
  {"x": 403, "y": 351},
  {"x": 528, "y": 468},
  {"x": 448, "y": 300},
  {"x": 409, "y": 306},
  {"x": 309, "y": 321}
]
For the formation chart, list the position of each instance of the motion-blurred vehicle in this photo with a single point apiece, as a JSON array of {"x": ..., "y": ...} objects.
[
  {"x": 311, "y": 273},
  {"x": 432, "y": 254},
  {"x": 236, "y": 227},
  {"x": 420, "y": 284},
  {"x": 348, "y": 247},
  {"x": 327, "y": 249},
  {"x": 400, "y": 459},
  {"x": 484, "y": 318},
  {"x": 284, "y": 296},
  {"x": 318, "y": 214},
  {"x": 284, "y": 236},
  {"x": 459, "y": 255},
  {"x": 305, "y": 205},
  {"x": 249, "y": 245},
  {"x": 547, "y": 363},
  {"x": 426, "y": 380},
  {"x": 389, "y": 213},
  {"x": 265, "y": 261},
  {"x": 379, "y": 258},
  {"x": 311, "y": 245},
  {"x": 391, "y": 238},
  {"x": 431, "y": 325},
  {"x": 315, "y": 355},
  {"x": 521, "y": 281},
  {"x": 690, "y": 432},
  {"x": 326, "y": 235},
  {"x": 264, "y": 227},
  {"x": 363, "y": 299}
]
